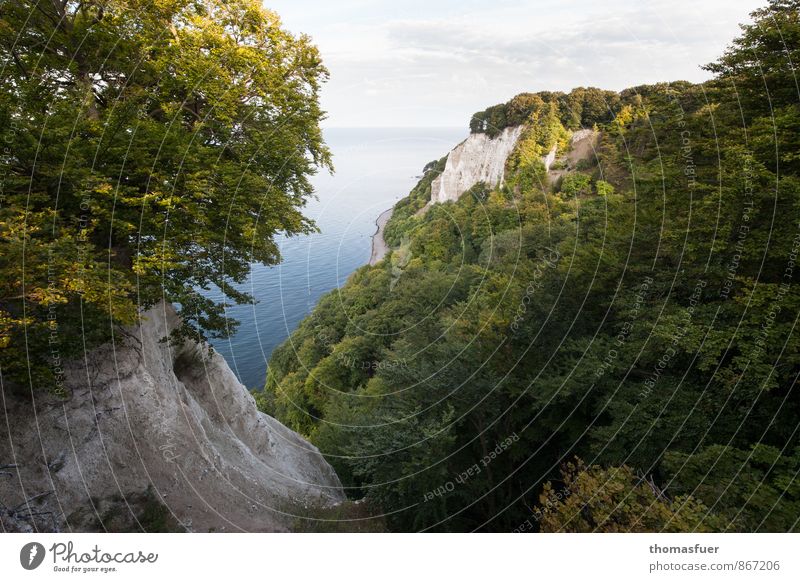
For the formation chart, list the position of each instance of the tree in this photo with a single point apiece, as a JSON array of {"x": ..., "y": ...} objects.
[
  {"x": 756, "y": 490},
  {"x": 651, "y": 326},
  {"x": 594, "y": 499},
  {"x": 155, "y": 147},
  {"x": 576, "y": 184},
  {"x": 760, "y": 64},
  {"x": 603, "y": 188}
]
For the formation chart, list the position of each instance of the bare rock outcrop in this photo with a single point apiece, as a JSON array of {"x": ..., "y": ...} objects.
[
  {"x": 153, "y": 429},
  {"x": 582, "y": 145},
  {"x": 550, "y": 158},
  {"x": 478, "y": 158}
]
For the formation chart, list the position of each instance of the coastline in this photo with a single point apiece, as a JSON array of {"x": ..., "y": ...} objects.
[{"x": 379, "y": 246}]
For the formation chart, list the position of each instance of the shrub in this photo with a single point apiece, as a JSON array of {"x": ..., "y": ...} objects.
[
  {"x": 603, "y": 188},
  {"x": 576, "y": 185}
]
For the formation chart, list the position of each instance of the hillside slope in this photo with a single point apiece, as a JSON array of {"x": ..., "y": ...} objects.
[{"x": 635, "y": 308}]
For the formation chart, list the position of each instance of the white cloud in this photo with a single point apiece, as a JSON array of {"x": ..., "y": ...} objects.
[{"x": 422, "y": 63}]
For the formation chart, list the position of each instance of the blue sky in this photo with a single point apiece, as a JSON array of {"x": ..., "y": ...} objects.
[{"x": 434, "y": 63}]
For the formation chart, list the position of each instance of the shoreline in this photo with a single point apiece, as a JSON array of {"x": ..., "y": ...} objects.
[{"x": 379, "y": 247}]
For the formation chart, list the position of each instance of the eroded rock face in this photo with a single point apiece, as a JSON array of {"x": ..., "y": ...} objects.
[
  {"x": 549, "y": 158},
  {"x": 477, "y": 159},
  {"x": 149, "y": 425},
  {"x": 582, "y": 146}
]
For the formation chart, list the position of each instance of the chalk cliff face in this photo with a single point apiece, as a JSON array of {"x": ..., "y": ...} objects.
[
  {"x": 153, "y": 425},
  {"x": 477, "y": 159},
  {"x": 549, "y": 158}
]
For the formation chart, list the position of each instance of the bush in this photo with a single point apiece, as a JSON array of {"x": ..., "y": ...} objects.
[
  {"x": 603, "y": 188},
  {"x": 593, "y": 499},
  {"x": 576, "y": 185}
]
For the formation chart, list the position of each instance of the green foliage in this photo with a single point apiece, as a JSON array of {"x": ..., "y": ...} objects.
[
  {"x": 543, "y": 130},
  {"x": 650, "y": 327},
  {"x": 756, "y": 489},
  {"x": 603, "y": 188},
  {"x": 615, "y": 500},
  {"x": 576, "y": 184},
  {"x": 586, "y": 107},
  {"x": 154, "y": 148},
  {"x": 406, "y": 215},
  {"x": 583, "y": 107},
  {"x": 760, "y": 61}
]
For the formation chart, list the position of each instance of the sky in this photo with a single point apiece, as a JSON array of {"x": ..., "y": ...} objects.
[{"x": 428, "y": 63}]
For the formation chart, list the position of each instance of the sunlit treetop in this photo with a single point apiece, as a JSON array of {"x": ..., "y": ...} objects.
[{"x": 153, "y": 148}]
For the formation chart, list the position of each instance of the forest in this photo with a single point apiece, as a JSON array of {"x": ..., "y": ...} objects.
[{"x": 613, "y": 350}]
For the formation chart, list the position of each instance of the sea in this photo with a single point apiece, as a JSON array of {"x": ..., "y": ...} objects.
[{"x": 374, "y": 168}]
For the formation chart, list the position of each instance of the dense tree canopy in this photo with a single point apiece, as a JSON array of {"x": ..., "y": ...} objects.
[
  {"x": 639, "y": 313},
  {"x": 616, "y": 500},
  {"x": 152, "y": 148},
  {"x": 581, "y": 107}
]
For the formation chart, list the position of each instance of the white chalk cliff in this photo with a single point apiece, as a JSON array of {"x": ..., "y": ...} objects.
[
  {"x": 149, "y": 421},
  {"x": 550, "y": 158},
  {"x": 478, "y": 158}
]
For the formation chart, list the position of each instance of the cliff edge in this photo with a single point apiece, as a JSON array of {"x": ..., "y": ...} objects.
[
  {"x": 478, "y": 158},
  {"x": 154, "y": 430}
]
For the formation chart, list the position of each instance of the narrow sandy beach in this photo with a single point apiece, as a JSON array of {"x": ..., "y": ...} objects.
[{"x": 379, "y": 248}]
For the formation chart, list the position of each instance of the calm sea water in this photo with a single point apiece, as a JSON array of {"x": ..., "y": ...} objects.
[{"x": 375, "y": 167}]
